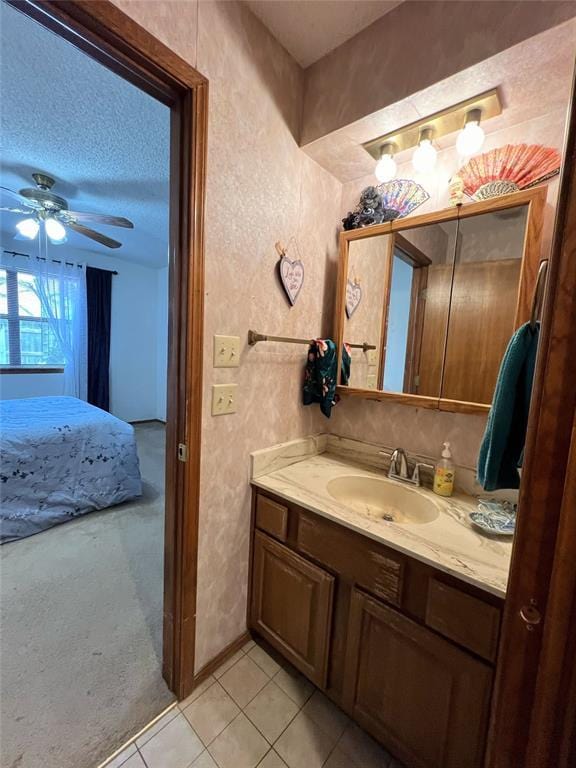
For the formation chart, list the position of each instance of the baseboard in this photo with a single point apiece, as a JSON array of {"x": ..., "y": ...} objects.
[
  {"x": 147, "y": 421},
  {"x": 220, "y": 658}
]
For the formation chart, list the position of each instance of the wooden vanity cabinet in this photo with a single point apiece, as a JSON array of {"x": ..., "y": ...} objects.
[
  {"x": 292, "y": 603},
  {"x": 420, "y": 695},
  {"x": 406, "y": 650}
]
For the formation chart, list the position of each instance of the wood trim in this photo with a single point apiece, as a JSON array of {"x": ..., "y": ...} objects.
[
  {"x": 532, "y": 256},
  {"x": 34, "y": 370},
  {"x": 418, "y": 257},
  {"x": 104, "y": 32},
  {"x": 418, "y": 401},
  {"x": 540, "y": 523},
  {"x": 387, "y": 285},
  {"x": 339, "y": 313},
  {"x": 461, "y": 406},
  {"x": 225, "y": 654},
  {"x": 181, "y": 545},
  {"x": 554, "y": 714}
]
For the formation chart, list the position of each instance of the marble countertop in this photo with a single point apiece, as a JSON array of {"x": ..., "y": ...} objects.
[{"x": 449, "y": 543}]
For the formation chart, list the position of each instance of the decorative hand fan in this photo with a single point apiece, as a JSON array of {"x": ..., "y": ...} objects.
[
  {"x": 400, "y": 197},
  {"x": 386, "y": 202},
  {"x": 508, "y": 169}
]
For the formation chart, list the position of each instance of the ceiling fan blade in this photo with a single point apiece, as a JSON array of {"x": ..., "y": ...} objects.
[
  {"x": 113, "y": 221},
  {"x": 30, "y": 204},
  {"x": 25, "y": 211},
  {"x": 102, "y": 239}
]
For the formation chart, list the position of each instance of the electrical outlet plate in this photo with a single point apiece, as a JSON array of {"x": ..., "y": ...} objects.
[
  {"x": 226, "y": 351},
  {"x": 371, "y": 381},
  {"x": 371, "y": 355},
  {"x": 224, "y": 399}
]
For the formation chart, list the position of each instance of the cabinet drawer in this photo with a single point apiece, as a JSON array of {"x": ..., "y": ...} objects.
[
  {"x": 352, "y": 557},
  {"x": 272, "y": 517},
  {"x": 463, "y": 618}
]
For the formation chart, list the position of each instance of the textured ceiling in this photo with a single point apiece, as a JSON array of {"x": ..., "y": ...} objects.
[
  {"x": 309, "y": 29},
  {"x": 104, "y": 141}
]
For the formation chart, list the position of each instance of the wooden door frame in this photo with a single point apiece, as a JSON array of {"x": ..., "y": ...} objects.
[
  {"x": 535, "y": 693},
  {"x": 107, "y": 34}
]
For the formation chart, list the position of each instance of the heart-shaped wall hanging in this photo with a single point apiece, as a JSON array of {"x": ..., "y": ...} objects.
[
  {"x": 353, "y": 297},
  {"x": 291, "y": 276}
]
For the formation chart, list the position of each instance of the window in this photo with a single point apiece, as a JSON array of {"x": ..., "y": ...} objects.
[{"x": 26, "y": 338}]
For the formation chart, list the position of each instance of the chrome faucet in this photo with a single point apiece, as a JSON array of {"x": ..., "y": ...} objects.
[{"x": 399, "y": 467}]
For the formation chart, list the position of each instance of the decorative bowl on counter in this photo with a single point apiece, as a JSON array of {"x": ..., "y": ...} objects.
[{"x": 497, "y": 518}]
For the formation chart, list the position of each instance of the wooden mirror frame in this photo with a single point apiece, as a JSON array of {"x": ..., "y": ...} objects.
[{"x": 534, "y": 199}]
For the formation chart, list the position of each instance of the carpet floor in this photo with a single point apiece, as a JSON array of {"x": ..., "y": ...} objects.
[{"x": 81, "y": 629}]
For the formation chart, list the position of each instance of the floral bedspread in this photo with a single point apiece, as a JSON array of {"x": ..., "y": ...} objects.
[{"x": 61, "y": 458}]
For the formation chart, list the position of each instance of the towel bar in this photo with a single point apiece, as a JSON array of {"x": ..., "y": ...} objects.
[{"x": 254, "y": 337}]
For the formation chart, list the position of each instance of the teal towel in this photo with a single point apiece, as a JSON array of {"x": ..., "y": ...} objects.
[
  {"x": 320, "y": 374},
  {"x": 502, "y": 448}
]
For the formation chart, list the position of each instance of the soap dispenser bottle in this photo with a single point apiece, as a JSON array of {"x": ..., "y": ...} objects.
[{"x": 444, "y": 473}]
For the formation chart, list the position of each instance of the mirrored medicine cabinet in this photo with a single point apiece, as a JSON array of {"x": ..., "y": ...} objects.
[{"x": 438, "y": 297}]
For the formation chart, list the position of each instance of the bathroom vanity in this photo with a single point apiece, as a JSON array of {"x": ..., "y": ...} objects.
[{"x": 396, "y": 619}]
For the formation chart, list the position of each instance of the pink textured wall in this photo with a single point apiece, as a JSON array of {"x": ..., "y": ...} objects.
[
  {"x": 261, "y": 188},
  {"x": 410, "y": 48}
]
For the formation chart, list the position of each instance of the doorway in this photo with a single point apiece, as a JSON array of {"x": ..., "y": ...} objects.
[{"x": 143, "y": 62}]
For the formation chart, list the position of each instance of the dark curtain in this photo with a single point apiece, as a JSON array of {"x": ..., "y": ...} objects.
[{"x": 99, "y": 300}]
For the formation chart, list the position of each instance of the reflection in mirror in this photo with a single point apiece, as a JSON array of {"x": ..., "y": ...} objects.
[
  {"x": 366, "y": 288},
  {"x": 417, "y": 309},
  {"x": 484, "y": 302}
]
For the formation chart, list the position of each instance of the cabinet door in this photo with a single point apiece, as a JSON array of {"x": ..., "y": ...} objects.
[
  {"x": 292, "y": 606},
  {"x": 425, "y": 699}
]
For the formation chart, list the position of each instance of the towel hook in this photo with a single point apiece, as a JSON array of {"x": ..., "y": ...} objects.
[{"x": 538, "y": 293}]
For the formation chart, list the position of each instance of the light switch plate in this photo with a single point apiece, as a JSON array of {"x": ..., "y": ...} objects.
[
  {"x": 226, "y": 351},
  {"x": 224, "y": 399},
  {"x": 371, "y": 355}
]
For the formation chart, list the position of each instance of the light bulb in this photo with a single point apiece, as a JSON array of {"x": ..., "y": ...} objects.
[
  {"x": 55, "y": 230},
  {"x": 28, "y": 228},
  {"x": 424, "y": 157},
  {"x": 471, "y": 137},
  {"x": 386, "y": 167}
]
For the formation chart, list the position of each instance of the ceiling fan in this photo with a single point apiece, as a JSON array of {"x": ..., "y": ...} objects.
[{"x": 42, "y": 206}]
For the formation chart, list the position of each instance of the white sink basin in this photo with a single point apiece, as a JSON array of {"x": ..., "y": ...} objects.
[{"x": 382, "y": 499}]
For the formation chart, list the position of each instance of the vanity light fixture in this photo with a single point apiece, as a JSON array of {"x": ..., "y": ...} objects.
[
  {"x": 471, "y": 137},
  {"x": 424, "y": 157},
  {"x": 386, "y": 166},
  {"x": 389, "y": 149}
]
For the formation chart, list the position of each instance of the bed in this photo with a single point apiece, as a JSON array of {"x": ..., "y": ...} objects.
[{"x": 61, "y": 458}]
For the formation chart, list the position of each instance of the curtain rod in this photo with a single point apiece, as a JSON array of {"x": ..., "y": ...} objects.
[
  {"x": 54, "y": 261},
  {"x": 254, "y": 338}
]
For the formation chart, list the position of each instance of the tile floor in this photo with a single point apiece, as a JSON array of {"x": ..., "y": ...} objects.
[{"x": 255, "y": 711}]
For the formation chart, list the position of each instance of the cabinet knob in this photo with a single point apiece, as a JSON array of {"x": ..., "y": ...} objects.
[{"x": 530, "y": 615}]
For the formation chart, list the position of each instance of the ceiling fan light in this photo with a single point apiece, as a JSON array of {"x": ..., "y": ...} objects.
[
  {"x": 28, "y": 228},
  {"x": 55, "y": 230},
  {"x": 386, "y": 167}
]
